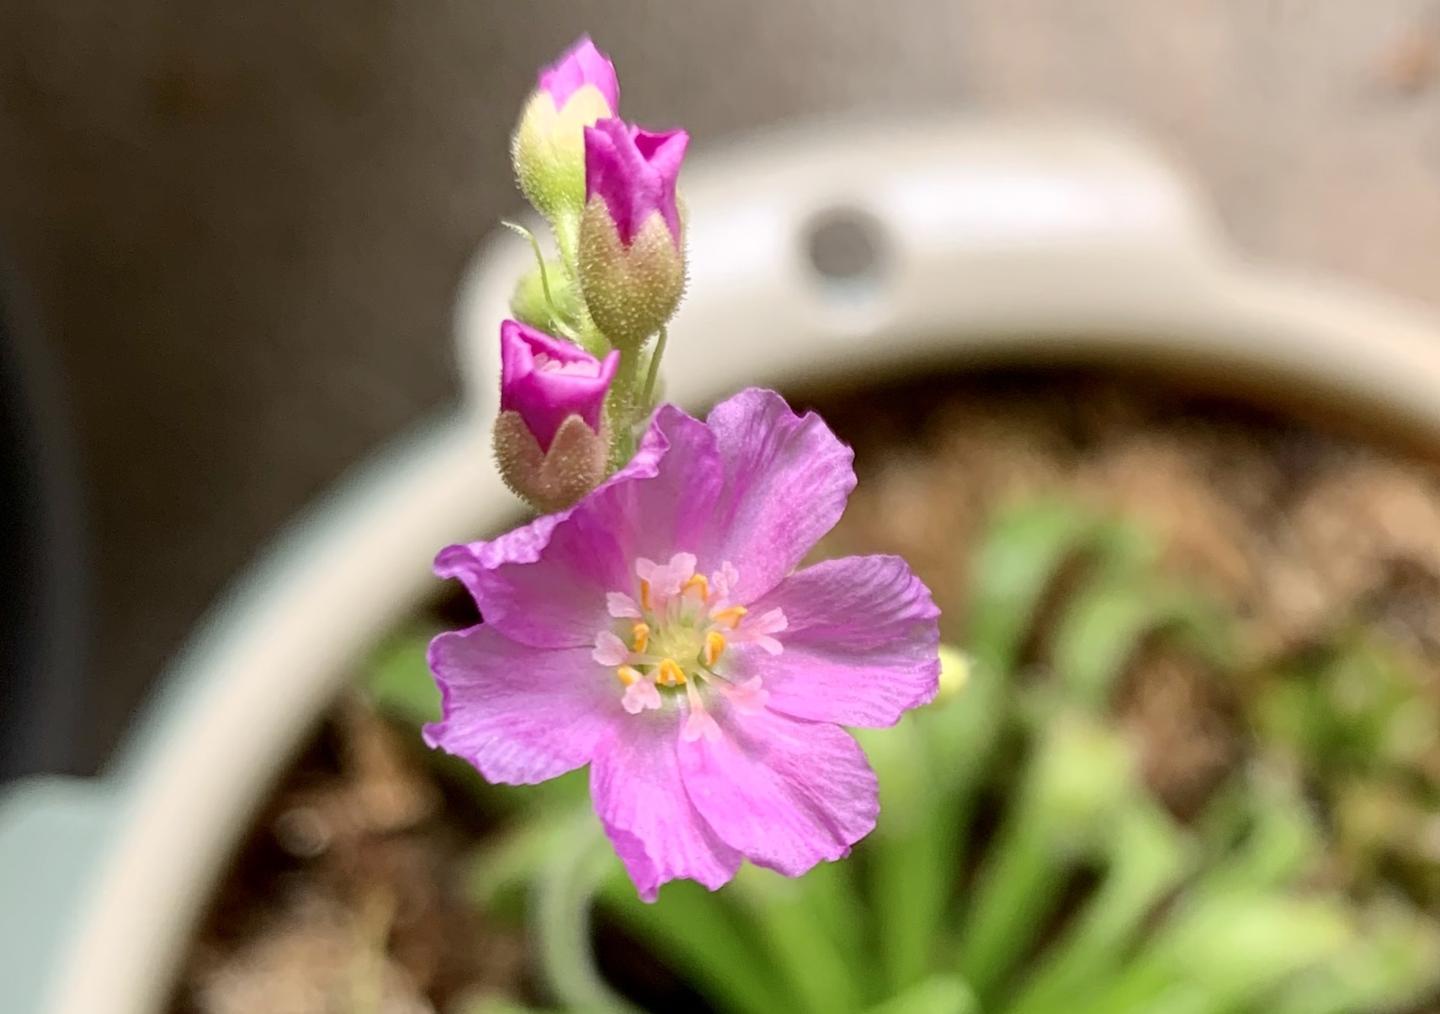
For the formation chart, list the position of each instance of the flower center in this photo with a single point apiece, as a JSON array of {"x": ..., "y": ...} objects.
[
  {"x": 669, "y": 642},
  {"x": 576, "y": 368}
]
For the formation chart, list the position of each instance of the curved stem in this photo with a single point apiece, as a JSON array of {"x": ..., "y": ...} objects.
[
  {"x": 564, "y": 891},
  {"x": 646, "y": 398},
  {"x": 567, "y": 327}
]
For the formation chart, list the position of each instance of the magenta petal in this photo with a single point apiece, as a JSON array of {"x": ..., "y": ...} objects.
[
  {"x": 578, "y": 66},
  {"x": 860, "y": 646},
  {"x": 553, "y": 593},
  {"x": 787, "y": 479},
  {"x": 785, "y": 793},
  {"x": 546, "y": 380},
  {"x": 635, "y": 172},
  {"x": 636, "y": 787},
  {"x": 518, "y": 714}
]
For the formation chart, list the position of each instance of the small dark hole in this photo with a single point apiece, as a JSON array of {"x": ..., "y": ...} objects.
[{"x": 847, "y": 246}]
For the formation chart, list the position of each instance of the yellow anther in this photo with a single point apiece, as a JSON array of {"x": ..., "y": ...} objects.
[
  {"x": 714, "y": 645},
  {"x": 697, "y": 582},
  {"x": 645, "y": 595},
  {"x": 627, "y": 675},
  {"x": 642, "y": 637},
  {"x": 671, "y": 675},
  {"x": 730, "y": 616}
]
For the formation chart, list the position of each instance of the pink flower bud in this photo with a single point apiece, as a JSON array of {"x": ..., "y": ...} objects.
[
  {"x": 631, "y": 249},
  {"x": 550, "y": 439},
  {"x": 580, "y": 65},
  {"x": 634, "y": 172},
  {"x": 548, "y": 149},
  {"x": 546, "y": 380}
]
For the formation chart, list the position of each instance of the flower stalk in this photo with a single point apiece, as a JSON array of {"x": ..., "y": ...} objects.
[{"x": 607, "y": 189}]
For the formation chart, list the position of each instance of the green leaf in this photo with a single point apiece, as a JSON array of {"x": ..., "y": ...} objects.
[
  {"x": 822, "y": 978},
  {"x": 705, "y": 938},
  {"x": 926, "y": 768},
  {"x": 1020, "y": 555},
  {"x": 1147, "y": 860},
  {"x": 569, "y": 878},
  {"x": 939, "y": 994},
  {"x": 398, "y": 678},
  {"x": 1080, "y": 779},
  {"x": 1107, "y": 621},
  {"x": 1228, "y": 951},
  {"x": 1391, "y": 965}
]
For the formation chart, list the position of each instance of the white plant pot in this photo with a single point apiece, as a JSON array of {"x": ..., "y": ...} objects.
[{"x": 1001, "y": 242}]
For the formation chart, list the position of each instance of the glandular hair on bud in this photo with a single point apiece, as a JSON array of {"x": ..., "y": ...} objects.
[
  {"x": 630, "y": 291},
  {"x": 555, "y": 479}
]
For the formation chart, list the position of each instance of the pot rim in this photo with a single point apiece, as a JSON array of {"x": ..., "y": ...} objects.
[{"x": 1119, "y": 263}]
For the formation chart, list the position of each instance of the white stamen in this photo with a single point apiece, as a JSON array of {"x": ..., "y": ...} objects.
[
  {"x": 578, "y": 368},
  {"x": 622, "y": 606},
  {"x": 758, "y": 630},
  {"x": 684, "y": 624},
  {"x": 697, "y": 725},
  {"x": 665, "y": 580},
  {"x": 747, "y": 698},
  {"x": 609, "y": 651},
  {"x": 723, "y": 582},
  {"x": 640, "y": 696}
]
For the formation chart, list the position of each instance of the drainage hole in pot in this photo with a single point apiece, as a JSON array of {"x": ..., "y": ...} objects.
[{"x": 847, "y": 250}]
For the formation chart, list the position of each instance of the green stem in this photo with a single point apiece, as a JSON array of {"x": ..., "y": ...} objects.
[
  {"x": 562, "y": 920},
  {"x": 565, "y": 326},
  {"x": 623, "y": 410},
  {"x": 646, "y": 399}
]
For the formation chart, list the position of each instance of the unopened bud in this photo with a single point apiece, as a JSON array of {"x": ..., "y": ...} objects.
[
  {"x": 548, "y": 149},
  {"x": 631, "y": 252},
  {"x": 549, "y": 438}
]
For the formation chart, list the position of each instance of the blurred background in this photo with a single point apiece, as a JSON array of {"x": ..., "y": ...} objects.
[{"x": 232, "y": 233}]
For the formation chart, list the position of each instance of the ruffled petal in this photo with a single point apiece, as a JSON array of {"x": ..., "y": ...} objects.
[
  {"x": 658, "y": 503},
  {"x": 785, "y": 793},
  {"x": 787, "y": 478},
  {"x": 860, "y": 648},
  {"x": 545, "y": 583},
  {"x": 472, "y": 562},
  {"x": 518, "y": 714},
  {"x": 640, "y": 799}
]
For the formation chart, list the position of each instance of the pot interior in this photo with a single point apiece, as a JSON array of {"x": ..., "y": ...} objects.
[{"x": 1254, "y": 590}]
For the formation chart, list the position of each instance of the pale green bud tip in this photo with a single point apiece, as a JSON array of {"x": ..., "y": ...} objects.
[
  {"x": 548, "y": 149},
  {"x": 954, "y": 672},
  {"x": 555, "y": 479},
  {"x": 631, "y": 290}
]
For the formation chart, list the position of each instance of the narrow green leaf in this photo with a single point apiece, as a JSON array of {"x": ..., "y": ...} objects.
[
  {"x": 705, "y": 939},
  {"x": 398, "y": 678},
  {"x": 940, "y": 994},
  {"x": 822, "y": 978},
  {"x": 1148, "y": 858}
]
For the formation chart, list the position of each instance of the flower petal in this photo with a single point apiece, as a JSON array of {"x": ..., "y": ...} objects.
[
  {"x": 641, "y": 801},
  {"x": 785, "y": 793},
  {"x": 659, "y": 502},
  {"x": 787, "y": 478},
  {"x": 546, "y": 584},
  {"x": 861, "y": 645},
  {"x": 518, "y": 714}
]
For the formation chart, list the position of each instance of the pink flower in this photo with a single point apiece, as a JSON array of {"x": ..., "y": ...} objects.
[
  {"x": 634, "y": 172},
  {"x": 580, "y": 65},
  {"x": 546, "y": 380},
  {"x": 658, "y": 632}
]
